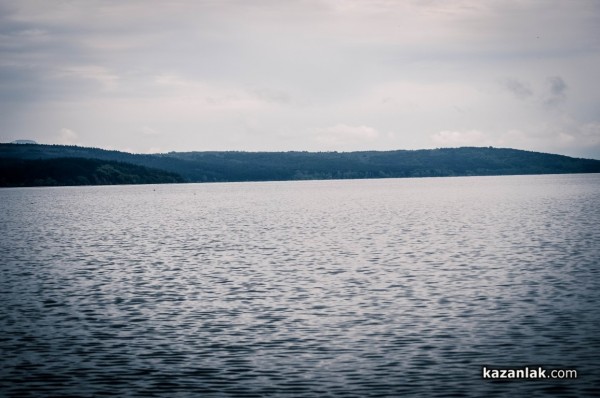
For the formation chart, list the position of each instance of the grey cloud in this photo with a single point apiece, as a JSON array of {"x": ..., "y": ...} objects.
[
  {"x": 34, "y": 83},
  {"x": 290, "y": 66},
  {"x": 557, "y": 91},
  {"x": 274, "y": 96},
  {"x": 519, "y": 89}
]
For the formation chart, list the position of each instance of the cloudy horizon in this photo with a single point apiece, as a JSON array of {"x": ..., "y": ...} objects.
[{"x": 316, "y": 75}]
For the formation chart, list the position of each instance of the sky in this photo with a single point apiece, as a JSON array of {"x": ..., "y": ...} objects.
[{"x": 315, "y": 75}]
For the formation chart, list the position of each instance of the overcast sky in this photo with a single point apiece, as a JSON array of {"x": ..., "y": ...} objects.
[{"x": 317, "y": 75}]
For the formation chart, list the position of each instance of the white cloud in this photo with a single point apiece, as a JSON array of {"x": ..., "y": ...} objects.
[
  {"x": 345, "y": 137},
  {"x": 572, "y": 138},
  {"x": 565, "y": 138},
  {"x": 107, "y": 79},
  {"x": 155, "y": 149},
  {"x": 460, "y": 138},
  {"x": 211, "y": 96},
  {"x": 148, "y": 131},
  {"x": 67, "y": 137}
]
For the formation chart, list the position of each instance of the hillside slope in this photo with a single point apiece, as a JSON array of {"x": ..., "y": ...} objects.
[
  {"x": 265, "y": 166},
  {"x": 78, "y": 171}
]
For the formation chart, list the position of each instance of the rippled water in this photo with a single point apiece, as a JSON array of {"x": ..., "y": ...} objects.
[{"x": 324, "y": 288}]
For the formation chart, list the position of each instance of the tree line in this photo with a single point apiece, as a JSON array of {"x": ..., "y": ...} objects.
[
  {"x": 268, "y": 166},
  {"x": 78, "y": 171}
]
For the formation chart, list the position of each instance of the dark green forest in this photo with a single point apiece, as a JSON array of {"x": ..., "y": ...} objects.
[
  {"x": 78, "y": 171},
  {"x": 276, "y": 166}
]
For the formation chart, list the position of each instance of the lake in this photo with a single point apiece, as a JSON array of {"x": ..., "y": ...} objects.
[{"x": 362, "y": 288}]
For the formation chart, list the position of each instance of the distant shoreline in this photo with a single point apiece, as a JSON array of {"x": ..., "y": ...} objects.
[
  {"x": 278, "y": 181},
  {"x": 60, "y": 165}
]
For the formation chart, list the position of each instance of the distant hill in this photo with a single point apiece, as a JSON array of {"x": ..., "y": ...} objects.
[
  {"x": 77, "y": 171},
  {"x": 265, "y": 166}
]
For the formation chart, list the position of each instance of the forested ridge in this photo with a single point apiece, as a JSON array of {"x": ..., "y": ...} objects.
[
  {"x": 265, "y": 166},
  {"x": 78, "y": 171}
]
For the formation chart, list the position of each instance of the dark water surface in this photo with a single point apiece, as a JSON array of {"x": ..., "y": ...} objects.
[{"x": 324, "y": 288}]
